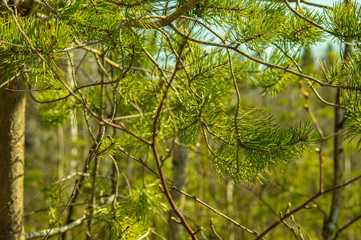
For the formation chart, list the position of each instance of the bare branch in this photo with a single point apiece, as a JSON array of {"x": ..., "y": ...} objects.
[
  {"x": 306, "y": 203},
  {"x": 346, "y": 226},
  {"x": 55, "y": 231}
]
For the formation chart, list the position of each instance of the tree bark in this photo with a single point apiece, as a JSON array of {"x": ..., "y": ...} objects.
[
  {"x": 338, "y": 163},
  {"x": 12, "y": 145},
  {"x": 12, "y": 140},
  {"x": 178, "y": 179}
]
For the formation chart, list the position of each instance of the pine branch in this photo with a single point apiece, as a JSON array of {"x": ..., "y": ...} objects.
[
  {"x": 156, "y": 154},
  {"x": 285, "y": 69}
]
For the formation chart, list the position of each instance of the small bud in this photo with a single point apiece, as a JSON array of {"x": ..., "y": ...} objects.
[
  {"x": 312, "y": 206},
  {"x": 306, "y": 95},
  {"x": 300, "y": 84},
  {"x": 306, "y": 106}
]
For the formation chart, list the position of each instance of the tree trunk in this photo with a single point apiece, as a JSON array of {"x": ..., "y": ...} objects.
[
  {"x": 338, "y": 163},
  {"x": 178, "y": 179},
  {"x": 12, "y": 146},
  {"x": 12, "y": 139}
]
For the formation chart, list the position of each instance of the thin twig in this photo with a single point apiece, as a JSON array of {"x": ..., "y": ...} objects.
[
  {"x": 289, "y": 227},
  {"x": 214, "y": 230},
  {"x": 156, "y": 155},
  {"x": 190, "y": 196},
  {"x": 346, "y": 226},
  {"x": 302, "y": 206},
  {"x": 55, "y": 231},
  {"x": 316, "y": 4},
  {"x": 309, "y": 20}
]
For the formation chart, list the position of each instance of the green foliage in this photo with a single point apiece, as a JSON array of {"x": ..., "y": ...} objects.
[
  {"x": 16, "y": 53},
  {"x": 129, "y": 218},
  {"x": 55, "y": 114},
  {"x": 256, "y": 144},
  {"x": 53, "y": 195},
  {"x": 343, "y": 20},
  {"x": 155, "y": 87},
  {"x": 93, "y": 97},
  {"x": 300, "y": 32},
  {"x": 108, "y": 146}
]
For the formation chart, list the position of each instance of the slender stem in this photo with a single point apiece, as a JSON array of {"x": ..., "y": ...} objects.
[
  {"x": 308, "y": 20},
  {"x": 156, "y": 154},
  {"x": 192, "y": 196},
  {"x": 302, "y": 206}
]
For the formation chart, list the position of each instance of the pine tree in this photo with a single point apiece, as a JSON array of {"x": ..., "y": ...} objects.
[{"x": 173, "y": 71}]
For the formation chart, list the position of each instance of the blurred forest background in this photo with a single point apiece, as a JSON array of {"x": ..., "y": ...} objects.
[{"x": 55, "y": 157}]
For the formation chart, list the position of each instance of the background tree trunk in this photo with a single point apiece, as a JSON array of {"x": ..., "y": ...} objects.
[
  {"x": 178, "y": 179},
  {"x": 12, "y": 140},
  {"x": 338, "y": 163}
]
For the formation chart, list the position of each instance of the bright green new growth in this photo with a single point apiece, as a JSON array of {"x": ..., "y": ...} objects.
[{"x": 128, "y": 218}]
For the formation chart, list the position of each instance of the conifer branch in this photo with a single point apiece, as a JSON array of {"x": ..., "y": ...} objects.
[
  {"x": 285, "y": 69},
  {"x": 130, "y": 5},
  {"x": 179, "y": 12},
  {"x": 310, "y": 83},
  {"x": 78, "y": 99},
  {"x": 109, "y": 61},
  {"x": 223, "y": 8},
  {"x": 310, "y": 21},
  {"x": 156, "y": 154},
  {"x": 183, "y": 67},
  {"x": 71, "y": 92},
  {"x": 243, "y": 143}
]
